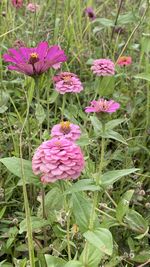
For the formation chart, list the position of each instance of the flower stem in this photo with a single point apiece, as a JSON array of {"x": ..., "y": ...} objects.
[
  {"x": 98, "y": 177},
  {"x": 63, "y": 107},
  {"x": 26, "y": 203},
  {"x": 68, "y": 236}
]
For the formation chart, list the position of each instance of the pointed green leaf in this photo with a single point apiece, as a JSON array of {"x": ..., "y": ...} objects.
[
  {"x": 91, "y": 255},
  {"x": 82, "y": 209},
  {"x": 113, "y": 123},
  {"x": 83, "y": 185},
  {"x": 111, "y": 177},
  {"x": 14, "y": 166},
  {"x": 39, "y": 113},
  {"x": 101, "y": 239},
  {"x": 96, "y": 124},
  {"x": 123, "y": 205},
  {"x": 143, "y": 76},
  {"x": 54, "y": 261}
]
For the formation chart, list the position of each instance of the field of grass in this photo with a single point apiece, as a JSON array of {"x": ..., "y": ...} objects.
[{"x": 99, "y": 215}]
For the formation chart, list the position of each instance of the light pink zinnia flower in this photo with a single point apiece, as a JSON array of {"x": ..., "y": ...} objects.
[
  {"x": 33, "y": 7},
  {"x": 58, "y": 159},
  {"x": 66, "y": 129},
  {"x": 124, "y": 61},
  {"x": 102, "y": 105},
  {"x": 17, "y": 3},
  {"x": 67, "y": 82},
  {"x": 34, "y": 61},
  {"x": 103, "y": 67}
]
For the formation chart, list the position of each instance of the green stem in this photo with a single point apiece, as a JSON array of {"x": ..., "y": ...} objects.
[
  {"x": 68, "y": 236},
  {"x": 26, "y": 203},
  {"x": 63, "y": 107},
  {"x": 98, "y": 177}
]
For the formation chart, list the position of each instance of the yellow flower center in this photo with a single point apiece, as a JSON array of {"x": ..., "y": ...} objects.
[
  {"x": 34, "y": 57},
  {"x": 65, "y": 127},
  {"x": 67, "y": 78}
]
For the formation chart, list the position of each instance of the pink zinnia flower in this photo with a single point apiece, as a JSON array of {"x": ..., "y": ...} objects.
[
  {"x": 67, "y": 82},
  {"x": 103, "y": 67},
  {"x": 58, "y": 159},
  {"x": 33, "y": 7},
  {"x": 66, "y": 129},
  {"x": 102, "y": 105},
  {"x": 17, "y": 3},
  {"x": 90, "y": 13},
  {"x": 124, "y": 61},
  {"x": 34, "y": 61}
]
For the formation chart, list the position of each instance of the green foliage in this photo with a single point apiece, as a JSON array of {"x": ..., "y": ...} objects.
[
  {"x": 101, "y": 238},
  {"x": 70, "y": 219}
]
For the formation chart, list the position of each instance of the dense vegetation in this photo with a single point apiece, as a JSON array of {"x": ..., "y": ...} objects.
[{"x": 102, "y": 218}]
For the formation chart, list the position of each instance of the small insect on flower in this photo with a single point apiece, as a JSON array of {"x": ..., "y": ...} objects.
[
  {"x": 124, "y": 61},
  {"x": 58, "y": 159},
  {"x": 67, "y": 82},
  {"x": 33, "y": 7},
  {"x": 90, "y": 13},
  {"x": 103, "y": 67},
  {"x": 17, "y": 3},
  {"x": 66, "y": 129},
  {"x": 102, "y": 105},
  {"x": 34, "y": 61}
]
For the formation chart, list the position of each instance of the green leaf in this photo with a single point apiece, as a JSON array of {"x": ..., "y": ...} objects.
[
  {"x": 136, "y": 221},
  {"x": 123, "y": 205},
  {"x": 111, "y": 177},
  {"x": 39, "y": 113},
  {"x": 126, "y": 18},
  {"x": 96, "y": 124},
  {"x": 142, "y": 257},
  {"x": 101, "y": 239},
  {"x": 114, "y": 135},
  {"x": 14, "y": 166},
  {"x": 36, "y": 222},
  {"x": 53, "y": 97},
  {"x": 113, "y": 123},
  {"x": 73, "y": 263},
  {"x": 143, "y": 76},
  {"x": 53, "y": 202},
  {"x": 105, "y": 22},
  {"x": 83, "y": 141},
  {"x": 83, "y": 185},
  {"x": 91, "y": 256},
  {"x": 82, "y": 208},
  {"x": 54, "y": 261}
]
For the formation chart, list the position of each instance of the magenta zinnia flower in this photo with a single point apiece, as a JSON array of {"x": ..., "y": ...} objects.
[
  {"x": 103, "y": 67},
  {"x": 90, "y": 13},
  {"x": 58, "y": 159},
  {"x": 33, "y": 7},
  {"x": 102, "y": 105},
  {"x": 17, "y": 3},
  {"x": 66, "y": 129},
  {"x": 34, "y": 61},
  {"x": 67, "y": 82},
  {"x": 124, "y": 61}
]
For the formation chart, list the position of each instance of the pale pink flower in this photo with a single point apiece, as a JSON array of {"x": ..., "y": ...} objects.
[
  {"x": 124, "y": 61},
  {"x": 103, "y": 67},
  {"x": 33, "y": 7},
  {"x": 67, "y": 82},
  {"x": 66, "y": 129},
  {"x": 17, "y": 3},
  {"x": 58, "y": 159},
  {"x": 102, "y": 105}
]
